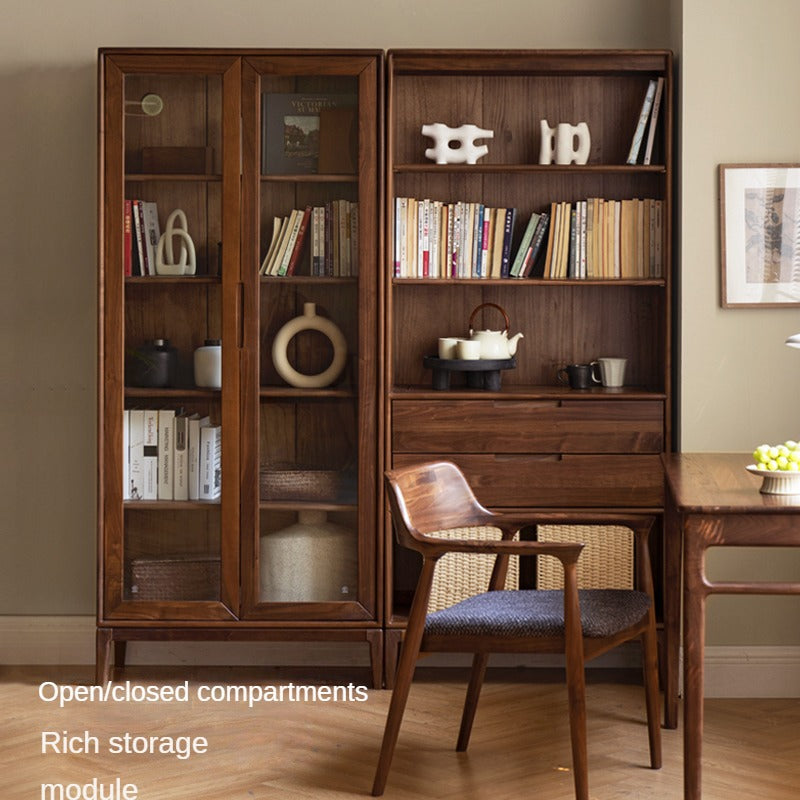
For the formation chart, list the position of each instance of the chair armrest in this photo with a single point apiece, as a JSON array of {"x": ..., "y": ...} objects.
[{"x": 434, "y": 547}]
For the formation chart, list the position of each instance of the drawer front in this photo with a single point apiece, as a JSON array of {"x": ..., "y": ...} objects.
[
  {"x": 528, "y": 426},
  {"x": 509, "y": 481}
]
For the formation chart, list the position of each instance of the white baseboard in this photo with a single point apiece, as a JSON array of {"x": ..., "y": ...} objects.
[
  {"x": 739, "y": 671},
  {"x": 749, "y": 671}
]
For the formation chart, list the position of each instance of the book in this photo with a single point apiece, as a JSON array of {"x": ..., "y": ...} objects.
[
  {"x": 150, "y": 460},
  {"x": 538, "y": 244},
  {"x": 638, "y": 133},
  {"x": 524, "y": 244},
  {"x": 286, "y": 235},
  {"x": 195, "y": 424},
  {"x": 299, "y": 240},
  {"x": 127, "y": 239},
  {"x": 651, "y": 131},
  {"x": 508, "y": 234},
  {"x": 180, "y": 438},
  {"x": 136, "y": 454},
  {"x": 138, "y": 236},
  {"x": 151, "y": 233},
  {"x": 277, "y": 226},
  {"x": 290, "y": 124},
  {"x": 210, "y": 462},
  {"x": 166, "y": 452}
]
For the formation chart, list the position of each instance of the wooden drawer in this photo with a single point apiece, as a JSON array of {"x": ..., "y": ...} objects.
[
  {"x": 528, "y": 426},
  {"x": 508, "y": 481}
]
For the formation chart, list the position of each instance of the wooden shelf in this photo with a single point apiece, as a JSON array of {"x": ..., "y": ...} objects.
[
  {"x": 312, "y": 178},
  {"x": 186, "y": 280},
  {"x": 166, "y": 393},
  {"x": 528, "y": 169},
  {"x": 170, "y": 505},
  {"x": 515, "y": 392},
  {"x": 508, "y": 282},
  {"x": 280, "y": 392},
  {"x": 162, "y": 176}
]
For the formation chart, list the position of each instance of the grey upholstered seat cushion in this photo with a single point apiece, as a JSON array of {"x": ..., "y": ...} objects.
[{"x": 604, "y": 612}]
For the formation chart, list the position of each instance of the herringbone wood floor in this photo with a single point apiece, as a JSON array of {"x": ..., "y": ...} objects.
[{"x": 300, "y": 751}]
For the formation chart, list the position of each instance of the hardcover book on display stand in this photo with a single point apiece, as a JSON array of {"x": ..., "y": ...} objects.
[{"x": 292, "y": 127}]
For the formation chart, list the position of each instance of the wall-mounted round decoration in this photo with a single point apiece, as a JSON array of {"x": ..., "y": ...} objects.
[{"x": 309, "y": 321}]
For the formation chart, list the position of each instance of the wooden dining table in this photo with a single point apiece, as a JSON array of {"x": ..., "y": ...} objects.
[{"x": 711, "y": 501}]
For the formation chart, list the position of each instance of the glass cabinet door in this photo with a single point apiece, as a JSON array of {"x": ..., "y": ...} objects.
[
  {"x": 309, "y": 270},
  {"x": 171, "y": 156}
]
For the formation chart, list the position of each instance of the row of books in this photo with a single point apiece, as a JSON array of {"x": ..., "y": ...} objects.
[
  {"x": 600, "y": 239},
  {"x": 650, "y": 107},
  {"x": 170, "y": 455},
  {"x": 434, "y": 239},
  {"x": 594, "y": 238},
  {"x": 141, "y": 233},
  {"x": 331, "y": 233}
]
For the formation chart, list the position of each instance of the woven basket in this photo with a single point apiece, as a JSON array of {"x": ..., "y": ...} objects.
[
  {"x": 175, "y": 578},
  {"x": 300, "y": 484},
  {"x": 606, "y": 561},
  {"x": 461, "y": 575}
]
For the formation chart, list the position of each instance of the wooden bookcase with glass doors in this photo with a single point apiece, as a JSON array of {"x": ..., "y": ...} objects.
[
  {"x": 288, "y": 549},
  {"x": 534, "y": 443}
]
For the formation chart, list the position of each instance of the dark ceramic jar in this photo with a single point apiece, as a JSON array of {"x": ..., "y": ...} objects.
[{"x": 152, "y": 365}]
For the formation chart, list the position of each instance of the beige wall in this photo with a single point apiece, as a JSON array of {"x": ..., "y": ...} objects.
[
  {"x": 48, "y": 199},
  {"x": 739, "y": 384}
]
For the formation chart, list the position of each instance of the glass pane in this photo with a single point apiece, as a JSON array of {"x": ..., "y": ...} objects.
[
  {"x": 172, "y": 435},
  {"x": 308, "y": 555}
]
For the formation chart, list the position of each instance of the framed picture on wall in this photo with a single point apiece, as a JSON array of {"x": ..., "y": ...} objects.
[{"x": 760, "y": 235}]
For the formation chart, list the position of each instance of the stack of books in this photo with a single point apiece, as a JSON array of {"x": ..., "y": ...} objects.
[{"x": 141, "y": 233}]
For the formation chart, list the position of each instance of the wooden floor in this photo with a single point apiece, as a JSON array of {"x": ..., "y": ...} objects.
[{"x": 325, "y": 750}]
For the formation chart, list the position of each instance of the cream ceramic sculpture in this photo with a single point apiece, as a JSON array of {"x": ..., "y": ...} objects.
[
  {"x": 309, "y": 321},
  {"x": 165, "y": 257},
  {"x": 558, "y": 144},
  {"x": 467, "y": 151}
]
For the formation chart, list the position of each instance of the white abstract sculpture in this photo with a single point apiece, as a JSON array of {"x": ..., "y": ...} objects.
[
  {"x": 465, "y": 151},
  {"x": 186, "y": 264},
  {"x": 559, "y": 143}
]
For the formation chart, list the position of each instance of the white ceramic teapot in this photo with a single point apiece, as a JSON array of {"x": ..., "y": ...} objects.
[{"x": 495, "y": 345}]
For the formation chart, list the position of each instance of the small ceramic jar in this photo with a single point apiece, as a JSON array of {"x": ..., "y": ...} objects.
[
  {"x": 152, "y": 366},
  {"x": 208, "y": 364}
]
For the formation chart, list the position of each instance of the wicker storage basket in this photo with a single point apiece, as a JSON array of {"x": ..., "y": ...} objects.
[
  {"x": 300, "y": 484},
  {"x": 606, "y": 561},
  {"x": 178, "y": 577},
  {"x": 461, "y": 575}
]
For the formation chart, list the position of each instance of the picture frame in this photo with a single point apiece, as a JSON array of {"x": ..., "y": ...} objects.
[{"x": 759, "y": 235}]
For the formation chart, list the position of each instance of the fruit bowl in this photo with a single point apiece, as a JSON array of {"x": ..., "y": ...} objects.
[{"x": 776, "y": 481}]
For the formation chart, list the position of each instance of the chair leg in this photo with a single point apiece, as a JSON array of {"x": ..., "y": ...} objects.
[
  {"x": 479, "y": 662},
  {"x": 652, "y": 700},
  {"x": 576, "y": 689},
  {"x": 405, "y": 672}
]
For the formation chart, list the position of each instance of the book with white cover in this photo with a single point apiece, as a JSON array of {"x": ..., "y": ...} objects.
[
  {"x": 150, "y": 454},
  {"x": 196, "y": 422},
  {"x": 126, "y": 433},
  {"x": 638, "y": 133},
  {"x": 136, "y": 454},
  {"x": 210, "y": 462},
  {"x": 651, "y": 132},
  {"x": 152, "y": 233},
  {"x": 180, "y": 471},
  {"x": 166, "y": 453}
]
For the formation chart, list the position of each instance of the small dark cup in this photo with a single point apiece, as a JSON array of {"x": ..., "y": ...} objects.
[{"x": 578, "y": 376}]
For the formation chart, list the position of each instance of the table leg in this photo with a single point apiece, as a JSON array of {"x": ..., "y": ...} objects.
[
  {"x": 694, "y": 632},
  {"x": 672, "y": 610}
]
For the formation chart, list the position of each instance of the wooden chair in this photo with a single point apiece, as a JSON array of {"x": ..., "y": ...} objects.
[{"x": 432, "y": 497}]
